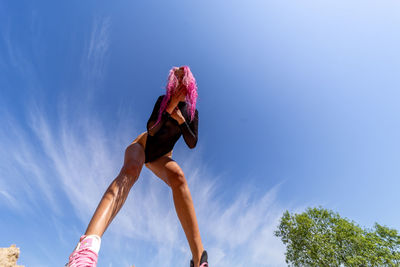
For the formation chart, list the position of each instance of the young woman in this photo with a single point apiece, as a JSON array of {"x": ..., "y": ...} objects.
[{"x": 174, "y": 114}]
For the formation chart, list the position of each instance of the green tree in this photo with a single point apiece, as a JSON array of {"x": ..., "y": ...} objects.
[{"x": 320, "y": 237}]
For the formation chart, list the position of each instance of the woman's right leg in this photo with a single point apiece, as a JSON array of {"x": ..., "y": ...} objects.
[
  {"x": 85, "y": 253},
  {"x": 117, "y": 192}
]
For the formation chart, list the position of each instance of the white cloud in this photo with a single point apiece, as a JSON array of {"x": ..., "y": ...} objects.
[
  {"x": 93, "y": 63},
  {"x": 239, "y": 232},
  {"x": 21, "y": 169},
  {"x": 10, "y": 199},
  {"x": 15, "y": 57},
  {"x": 81, "y": 163}
]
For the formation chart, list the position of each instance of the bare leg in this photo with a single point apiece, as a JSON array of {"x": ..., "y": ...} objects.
[
  {"x": 187, "y": 216},
  {"x": 170, "y": 172},
  {"x": 116, "y": 194}
]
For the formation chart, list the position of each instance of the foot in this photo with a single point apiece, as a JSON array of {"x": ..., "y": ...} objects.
[
  {"x": 85, "y": 253},
  {"x": 203, "y": 260}
]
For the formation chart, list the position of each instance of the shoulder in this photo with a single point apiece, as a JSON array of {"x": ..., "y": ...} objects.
[
  {"x": 159, "y": 99},
  {"x": 196, "y": 113}
]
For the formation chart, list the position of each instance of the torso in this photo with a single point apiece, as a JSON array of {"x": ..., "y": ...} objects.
[{"x": 165, "y": 138}]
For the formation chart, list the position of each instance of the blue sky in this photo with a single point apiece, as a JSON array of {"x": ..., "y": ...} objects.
[{"x": 298, "y": 107}]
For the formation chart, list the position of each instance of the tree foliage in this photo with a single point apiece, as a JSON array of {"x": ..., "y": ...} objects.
[{"x": 320, "y": 237}]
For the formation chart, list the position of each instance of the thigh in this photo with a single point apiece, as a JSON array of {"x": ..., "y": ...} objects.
[
  {"x": 165, "y": 167},
  {"x": 134, "y": 153},
  {"x": 141, "y": 139}
]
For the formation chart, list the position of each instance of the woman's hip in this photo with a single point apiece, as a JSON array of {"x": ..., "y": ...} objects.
[{"x": 141, "y": 139}]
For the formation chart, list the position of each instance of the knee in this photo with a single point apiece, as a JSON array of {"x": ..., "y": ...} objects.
[
  {"x": 127, "y": 177},
  {"x": 177, "y": 180},
  {"x": 132, "y": 170},
  {"x": 119, "y": 187}
]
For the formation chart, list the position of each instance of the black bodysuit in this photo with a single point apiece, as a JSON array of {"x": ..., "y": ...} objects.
[{"x": 162, "y": 138}]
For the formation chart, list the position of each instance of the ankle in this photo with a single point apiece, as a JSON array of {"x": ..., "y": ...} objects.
[
  {"x": 196, "y": 258},
  {"x": 195, "y": 263},
  {"x": 91, "y": 241}
]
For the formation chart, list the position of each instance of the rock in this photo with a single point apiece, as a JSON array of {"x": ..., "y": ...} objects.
[{"x": 9, "y": 257}]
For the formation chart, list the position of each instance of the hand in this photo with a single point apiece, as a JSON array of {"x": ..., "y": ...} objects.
[
  {"x": 177, "y": 115},
  {"x": 177, "y": 97}
]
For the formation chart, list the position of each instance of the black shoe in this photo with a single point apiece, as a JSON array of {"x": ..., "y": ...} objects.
[{"x": 203, "y": 260}]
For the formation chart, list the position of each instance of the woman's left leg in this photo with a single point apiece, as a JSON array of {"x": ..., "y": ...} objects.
[{"x": 170, "y": 172}]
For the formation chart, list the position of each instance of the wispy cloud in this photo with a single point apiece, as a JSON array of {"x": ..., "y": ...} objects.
[
  {"x": 81, "y": 162},
  {"x": 239, "y": 232},
  {"x": 22, "y": 170},
  {"x": 10, "y": 200},
  {"x": 93, "y": 63},
  {"x": 15, "y": 57}
]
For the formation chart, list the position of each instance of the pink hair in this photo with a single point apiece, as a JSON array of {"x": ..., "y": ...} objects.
[{"x": 191, "y": 93}]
